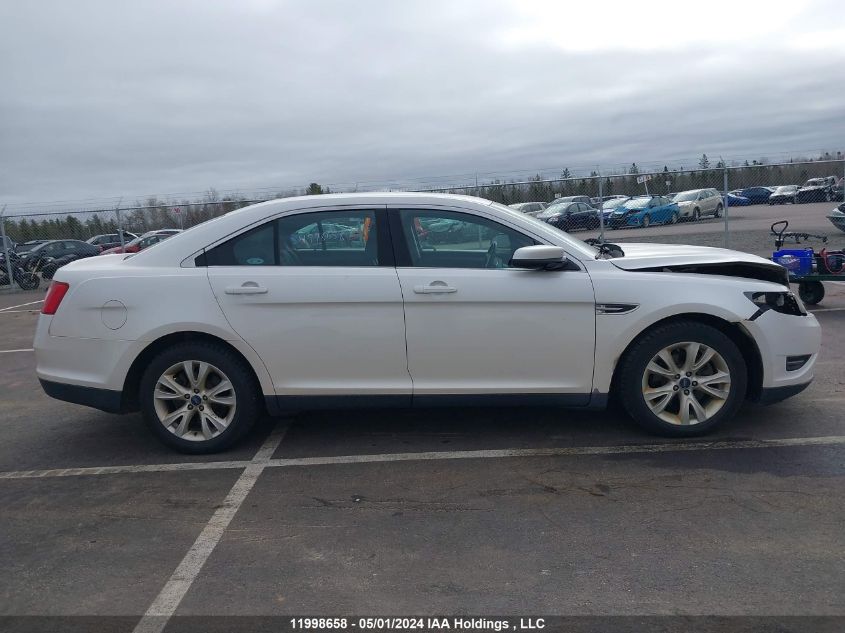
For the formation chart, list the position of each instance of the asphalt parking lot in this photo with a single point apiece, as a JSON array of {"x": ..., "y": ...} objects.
[{"x": 442, "y": 511}]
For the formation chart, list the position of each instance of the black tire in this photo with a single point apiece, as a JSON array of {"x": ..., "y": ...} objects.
[
  {"x": 29, "y": 281},
  {"x": 633, "y": 365},
  {"x": 675, "y": 218},
  {"x": 646, "y": 222},
  {"x": 718, "y": 212},
  {"x": 828, "y": 197},
  {"x": 247, "y": 395},
  {"x": 811, "y": 292}
]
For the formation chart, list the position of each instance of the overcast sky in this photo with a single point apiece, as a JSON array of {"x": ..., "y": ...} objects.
[{"x": 98, "y": 99}]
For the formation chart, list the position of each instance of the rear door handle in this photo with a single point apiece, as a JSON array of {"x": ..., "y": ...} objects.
[
  {"x": 247, "y": 288},
  {"x": 435, "y": 288}
]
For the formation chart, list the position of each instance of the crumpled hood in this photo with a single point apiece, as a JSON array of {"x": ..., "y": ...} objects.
[
  {"x": 643, "y": 255},
  {"x": 676, "y": 258}
]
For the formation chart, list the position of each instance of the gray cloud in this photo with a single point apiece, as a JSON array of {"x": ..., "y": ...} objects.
[{"x": 103, "y": 100}]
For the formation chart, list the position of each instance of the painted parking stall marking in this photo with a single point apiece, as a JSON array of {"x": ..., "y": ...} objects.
[
  {"x": 167, "y": 601},
  {"x": 574, "y": 451},
  {"x": 21, "y": 305}
]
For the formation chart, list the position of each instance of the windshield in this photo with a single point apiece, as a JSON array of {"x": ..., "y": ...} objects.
[
  {"x": 786, "y": 189},
  {"x": 686, "y": 196},
  {"x": 814, "y": 182},
  {"x": 612, "y": 204},
  {"x": 636, "y": 203}
]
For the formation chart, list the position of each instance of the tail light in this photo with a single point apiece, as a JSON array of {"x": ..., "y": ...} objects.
[{"x": 55, "y": 294}]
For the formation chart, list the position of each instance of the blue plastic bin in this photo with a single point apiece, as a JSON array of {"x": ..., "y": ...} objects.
[{"x": 796, "y": 261}]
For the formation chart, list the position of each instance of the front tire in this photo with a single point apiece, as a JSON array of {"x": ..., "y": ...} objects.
[
  {"x": 199, "y": 397},
  {"x": 811, "y": 292},
  {"x": 682, "y": 379},
  {"x": 646, "y": 221},
  {"x": 718, "y": 212}
]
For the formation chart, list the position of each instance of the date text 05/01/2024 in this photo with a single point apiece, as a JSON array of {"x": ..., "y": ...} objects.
[{"x": 417, "y": 624}]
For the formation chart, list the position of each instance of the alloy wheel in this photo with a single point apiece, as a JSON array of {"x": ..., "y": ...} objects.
[
  {"x": 686, "y": 383},
  {"x": 194, "y": 400}
]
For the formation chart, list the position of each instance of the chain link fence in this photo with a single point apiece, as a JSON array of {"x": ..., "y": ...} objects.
[{"x": 729, "y": 205}]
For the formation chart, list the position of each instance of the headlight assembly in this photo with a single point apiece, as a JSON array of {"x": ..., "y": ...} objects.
[{"x": 783, "y": 302}]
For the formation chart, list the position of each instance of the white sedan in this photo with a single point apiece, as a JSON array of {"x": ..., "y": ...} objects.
[{"x": 397, "y": 299}]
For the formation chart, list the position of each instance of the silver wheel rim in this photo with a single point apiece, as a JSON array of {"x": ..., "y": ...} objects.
[
  {"x": 686, "y": 383},
  {"x": 194, "y": 400}
]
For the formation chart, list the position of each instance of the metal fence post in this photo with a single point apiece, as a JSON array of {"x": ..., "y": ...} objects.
[
  {"x": 6, "y": 247},
  {"x": 119, "y": 223},
  {"x": 725, "y": 186},
  {"x": 601, "y": 205}
]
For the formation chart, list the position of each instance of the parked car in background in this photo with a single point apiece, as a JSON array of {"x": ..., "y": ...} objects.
[
  {"x": 610, "y": 204},
  {"x": 838, "y": 191},
  {"x": 837, "y": 217},
  {"x": 784, "y": 194},
  {"x": 733, "y": 199},
  {"x": 529, "y": 208},
  {"x": 755, "y": 195},
  {"x": 24, "y": 247},
  {"x": 144, "y": 241},
  {"x": 585, "y": 199},
  {"x": 569, "y": 216},
  {"x": 644, "y": 211},
  {"x": 53, "y": 249},
  {"x": 110, "y": 240},
  {"x": 528, "y": 315},
  {"x": 696, "y": 203},
  {"x": 817, "y": 190},
  {"x": 598, "y": 202}
]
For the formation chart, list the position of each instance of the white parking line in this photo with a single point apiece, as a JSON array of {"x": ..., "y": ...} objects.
[
  {"x": 827, "y": 310},
  {"x": 20, "y": 305},
  {"x": 167, "y": 601},
  {"x": 264, "y": 459},
  {"x": 667, "y": 447},
  {"x": 35, "y": 311},
  {"x": 15, "y": 351},
  {"x": 117, "y": 470}
]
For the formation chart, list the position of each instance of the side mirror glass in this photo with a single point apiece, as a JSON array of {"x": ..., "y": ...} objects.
[{"x": 541, "y": 258}]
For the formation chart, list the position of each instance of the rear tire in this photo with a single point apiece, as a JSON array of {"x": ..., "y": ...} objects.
[
  {"x": 645, "y": 379},
  {"x": 718, "y": 212},
  {"x": 29, "y": 281},
  {"x": 168, "y": 395},
  {"x": 675, "y": 218},
  {"x": 646, "y": 221},
  {"x": 696, "y": 214}
]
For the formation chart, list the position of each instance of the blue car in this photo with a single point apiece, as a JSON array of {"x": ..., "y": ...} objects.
[
  {"x": 734, "y": 199},
  {"x": 644, "y": 211},
  {"x": 756, "y": 195}
]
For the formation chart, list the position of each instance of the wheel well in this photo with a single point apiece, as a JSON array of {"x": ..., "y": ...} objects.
[
  {"x": 133, "y": 376},
  {"x": 734, "y": 331}
]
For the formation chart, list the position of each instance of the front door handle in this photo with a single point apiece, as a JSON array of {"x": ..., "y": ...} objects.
[
  {"x": 247, "y": 288},
  {"x": 435, "y": 288}
]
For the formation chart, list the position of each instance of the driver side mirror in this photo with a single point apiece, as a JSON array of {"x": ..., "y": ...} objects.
[{"x": 541, "y": 258}]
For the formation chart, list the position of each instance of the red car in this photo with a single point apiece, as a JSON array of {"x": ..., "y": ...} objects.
[{"x": 145, "y": 241}]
